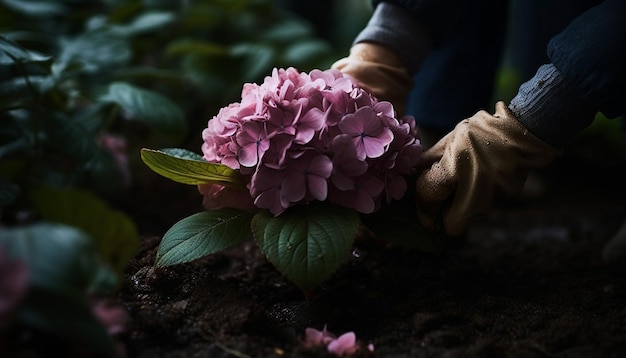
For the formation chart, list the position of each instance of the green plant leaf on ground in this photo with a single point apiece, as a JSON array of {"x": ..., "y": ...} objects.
[
  {"x": 114, "y": 233},
  {"x": 151, "y": 107},
  {"x": 307, "y": 243},
  {"x": 186, "y": 167},
  {"x": 202, "y": 234}
]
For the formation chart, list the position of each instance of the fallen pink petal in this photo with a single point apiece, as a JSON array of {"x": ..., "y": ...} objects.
[{"x": 343, "y": 346}]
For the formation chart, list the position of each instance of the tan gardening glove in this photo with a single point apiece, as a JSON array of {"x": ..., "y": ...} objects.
[
  {"x": 379, "y": 71},
  {"x": 484, "y": 156}
]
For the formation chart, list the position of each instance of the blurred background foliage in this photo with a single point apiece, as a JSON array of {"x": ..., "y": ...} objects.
[{"x": 84, "y": 84}]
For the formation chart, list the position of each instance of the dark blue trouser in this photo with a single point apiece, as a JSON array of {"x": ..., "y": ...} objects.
[{"x": 457, "y": 79}]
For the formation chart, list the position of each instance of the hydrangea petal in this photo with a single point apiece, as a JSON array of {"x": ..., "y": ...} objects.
[
  {"x": 253, "y": 142},
  {"x": 370, "y": 137},
  {"x": 343, "y": 345}
]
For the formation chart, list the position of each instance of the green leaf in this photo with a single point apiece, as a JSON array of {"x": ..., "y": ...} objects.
[
  {"x": 183, "y": 154},
  {"x": 11, "y": 52},
  {"x": 398, "y": 223},
  {"x": 60, "y": 258},
  {"x": 102, "y": 174},
  {"x": 71, "y": 137},
  {"x": 18, "y": 91},
  {"x": 306, "y": 52},
  {"x": 153, "y": 108},
  {"x": 257, "y": 59},
  {"x": 186, "y": 167},
  {"x": 147, "y": 22},
  {"x": 286, "y": 31},
  {"x": 37, "y": 8},
  {"x": 92, "y": 52},
  {"x": 203, "y": 234},
  {"x": 307, "y": 243},
  {"x": 152, "y": 74},
  {"x": 114, "y": 233}
]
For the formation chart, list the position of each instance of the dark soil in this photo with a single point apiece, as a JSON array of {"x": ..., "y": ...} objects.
[{"x": 526, "y": 281}]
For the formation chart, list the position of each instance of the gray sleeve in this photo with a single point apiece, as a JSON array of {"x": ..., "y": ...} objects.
[
  {"x": 397, "y": 29},
  {"x": 591, "y": 53},
  {"x": 550, "y": 108}
]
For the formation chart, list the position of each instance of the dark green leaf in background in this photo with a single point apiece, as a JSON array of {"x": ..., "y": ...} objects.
[
  {"x": 17, "y": 92},
  {"x": 114, "y": 233},
  {"x": 11, "y": 52},
  {"x": 145, "y": 23},
  {"x": 287, "y": 30},
  {"x": 257, "y": 59},
  {"x": 62, "y": 266},
  {"x": 70, "y": 136},
  {"x": 94, "y": 51},
  {"x": 306, "y": 52},
  {"x": 37, "y": 8},
  {"x": 60, "y": 258},
  {"x": 148, "y": 106}
]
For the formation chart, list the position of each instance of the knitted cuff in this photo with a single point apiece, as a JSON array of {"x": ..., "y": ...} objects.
[{"x": 550, "y": 108}]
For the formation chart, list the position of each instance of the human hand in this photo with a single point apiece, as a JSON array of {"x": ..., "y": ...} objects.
[
  {"x": 483, "y": 157},
  {"x": 379, "y": 71}
]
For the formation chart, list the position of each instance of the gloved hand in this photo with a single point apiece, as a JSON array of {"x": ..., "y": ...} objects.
[
  {"x": 484, "y": 156},
  {"x": 379, "y": 71}
]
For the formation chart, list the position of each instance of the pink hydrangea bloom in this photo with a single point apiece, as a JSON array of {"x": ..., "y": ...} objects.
[{"x": 302, "y": 137}]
